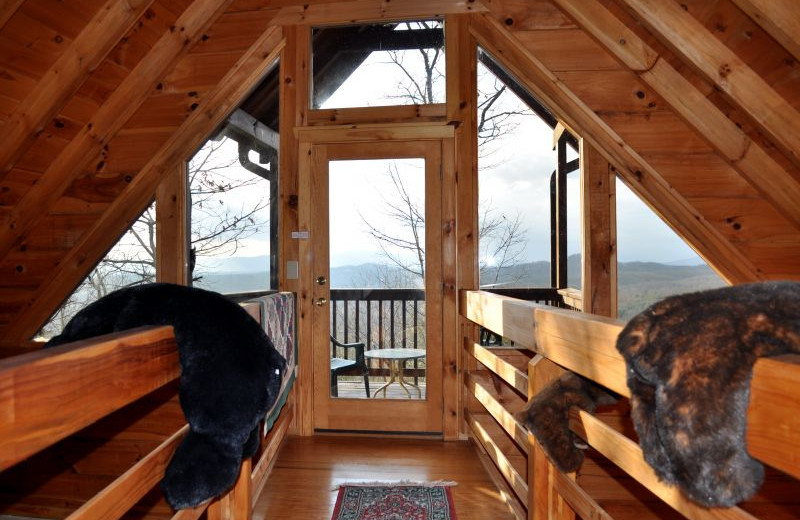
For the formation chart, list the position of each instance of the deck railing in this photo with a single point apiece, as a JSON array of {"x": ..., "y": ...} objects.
[
  {"x": 395, "y": 318},
  {"x": 379, "y": 318}
]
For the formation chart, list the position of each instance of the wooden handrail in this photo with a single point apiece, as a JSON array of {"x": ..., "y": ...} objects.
[
  {"x": 51, "y": 393},
  {"x": 773, "y": 417},
  {"x": 582, "y": 343},
  {"x": 505, "y": 370},
  {"x": 131, "y": 486},
  {"x": 503, "y": 417},
  {"x": 627, "y": 455},
  {"x": 586, "y": 344},
  {"x": 512, "y": 476}
]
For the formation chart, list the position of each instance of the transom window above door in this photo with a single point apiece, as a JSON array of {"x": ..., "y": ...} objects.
[{"x": 397, "y": 63}]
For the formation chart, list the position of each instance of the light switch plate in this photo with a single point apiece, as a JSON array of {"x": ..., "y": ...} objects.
[{"x": 292, "y": 270}]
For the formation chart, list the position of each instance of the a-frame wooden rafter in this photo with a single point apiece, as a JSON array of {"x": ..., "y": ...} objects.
[
  {"x": 229, "y": 92},
  {"x": 634, "y": 169},
  {"x": 7, "y": 10},
  {"x": 683, "y": 33},
  {"x": 65, "y": 76},
  {"x": 108, "y": 120},
  {"x": 780, "y": 18},
  {"x": 754, "y": 163}
]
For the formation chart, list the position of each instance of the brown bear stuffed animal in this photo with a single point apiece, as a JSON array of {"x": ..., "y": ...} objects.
[
  {"x": 547, "y": 417},
  {"x": 690, "y": 359}
]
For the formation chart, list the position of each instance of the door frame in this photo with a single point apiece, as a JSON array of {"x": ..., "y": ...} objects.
[
  {"x": 377, "y": 415},
  {"x": 310, "y": 138}
]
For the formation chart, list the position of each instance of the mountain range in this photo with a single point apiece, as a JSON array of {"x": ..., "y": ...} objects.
[{"x": 639, "y": 283}]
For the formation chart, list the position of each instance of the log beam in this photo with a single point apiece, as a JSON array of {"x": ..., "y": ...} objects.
[
  {"x": 63, "y": 79},
  {"x": 7, "y": 10},
  {"x": 360, "y": 11},
  {"x": 172, "y": 213},
  {"x": 771, "y": 180},
  {"x": 695, "y": 44},
  {"x": 780, "y": 18},
  {"x": 121, "y": 367},
  {"x": 598, "y": 200},
  {"x": 108, "y": 120}
]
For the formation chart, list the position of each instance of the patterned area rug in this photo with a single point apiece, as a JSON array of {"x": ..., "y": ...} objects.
[{"x": 412, "y": 501}]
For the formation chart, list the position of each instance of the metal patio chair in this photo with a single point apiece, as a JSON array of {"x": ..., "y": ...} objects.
[{"x": 346, "y": 365}]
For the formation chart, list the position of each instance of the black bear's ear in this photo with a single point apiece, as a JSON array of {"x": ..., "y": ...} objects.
[{"x": 199, "y": 470}]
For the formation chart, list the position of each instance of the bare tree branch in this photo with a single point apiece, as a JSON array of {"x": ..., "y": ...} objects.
[{"x": 218, "y": 228}]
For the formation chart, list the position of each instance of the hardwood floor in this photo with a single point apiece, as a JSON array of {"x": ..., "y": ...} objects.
[{"x": 303, "y": 483}]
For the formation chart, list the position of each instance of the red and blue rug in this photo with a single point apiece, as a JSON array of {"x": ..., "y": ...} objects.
[{"x": 404, "y": 501}]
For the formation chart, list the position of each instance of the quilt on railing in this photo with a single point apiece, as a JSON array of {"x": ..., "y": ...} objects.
[{"x": 278, "y": 321}]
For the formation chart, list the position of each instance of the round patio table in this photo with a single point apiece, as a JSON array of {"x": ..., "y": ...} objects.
[{"x": 396, "y": 359}]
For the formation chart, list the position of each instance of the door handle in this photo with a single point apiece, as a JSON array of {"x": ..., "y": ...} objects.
[
  {"x": 319, "y": 302},
  {"x": 321, "y": 280}
]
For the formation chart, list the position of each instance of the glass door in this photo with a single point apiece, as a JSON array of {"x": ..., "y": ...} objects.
[{"x": 377, "y": 286}]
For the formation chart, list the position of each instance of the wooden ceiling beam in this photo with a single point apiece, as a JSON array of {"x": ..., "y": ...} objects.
[
  {"x": 108, "y": 119},
  {"x": 357, "y": 11},
  {"x": 633, "y": 169},
  {"x": 7, "y": 10},
  {"x": 764, "y": 173},
  {"x": 221, "y": 101},
  {"x": 690, "y": 39},
  {"x": 62, "y": 80},
  {"x": 780, "y": 18}
]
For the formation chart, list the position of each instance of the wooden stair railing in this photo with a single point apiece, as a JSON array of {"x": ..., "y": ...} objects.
[{"x": 561, "y": 340}]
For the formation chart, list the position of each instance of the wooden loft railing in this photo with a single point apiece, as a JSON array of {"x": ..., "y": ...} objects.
[
  {"x": 52, "y": 393},
  {"x": 82, "y": 392},
  {"x": 498, "y": 382}
]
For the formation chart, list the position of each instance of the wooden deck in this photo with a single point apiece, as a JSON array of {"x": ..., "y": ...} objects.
[
  {"x": 355, "y": 389},
  {"x": 308, "y": 471}
]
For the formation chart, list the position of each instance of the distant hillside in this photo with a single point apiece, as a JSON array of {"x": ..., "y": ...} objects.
[
  {"x": 233, "y": 275},
  {"x": 644, "y": 283},
  {"x": 640, "y": 283},
  {"x": 227, "y": 283}
]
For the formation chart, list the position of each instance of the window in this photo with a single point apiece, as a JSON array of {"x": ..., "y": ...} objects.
[
  {"x": 377, "y": 65},
  {"x": 653, "y": 261},
  {"x": 230, "y": 220},
  {"x": 131, "y": 261},
  {"x": 233, "y": 197},
  {"x": 517, "y": 186}
]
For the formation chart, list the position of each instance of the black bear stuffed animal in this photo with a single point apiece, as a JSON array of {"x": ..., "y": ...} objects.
[
  {"x": 230, "y": 376},
  {"x": 690, "y": 359}
]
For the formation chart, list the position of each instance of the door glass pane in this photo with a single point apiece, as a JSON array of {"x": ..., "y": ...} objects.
[{"x": 377, "y": 274}]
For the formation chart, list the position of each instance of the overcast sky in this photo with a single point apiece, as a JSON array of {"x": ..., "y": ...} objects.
[{"x": 514, "y": 180}]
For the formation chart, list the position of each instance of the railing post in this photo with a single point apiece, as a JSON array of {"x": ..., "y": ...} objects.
[
  {"x": 541, "y": 371},
  {"x": 236, "y": 504}
]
